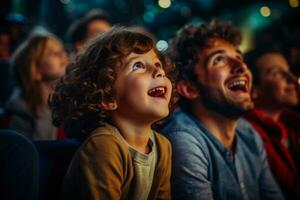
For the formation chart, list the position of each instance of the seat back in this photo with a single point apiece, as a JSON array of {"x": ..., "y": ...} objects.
[
  {"x": 54, "y": 159},
  {"x": 18, "y": 167}
]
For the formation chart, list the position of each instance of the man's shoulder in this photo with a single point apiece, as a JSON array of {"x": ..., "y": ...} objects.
[
  {"x": 248, "y": 133},
  {"x": 182, "y": 129},
  {"x": 179, "y": 121}
]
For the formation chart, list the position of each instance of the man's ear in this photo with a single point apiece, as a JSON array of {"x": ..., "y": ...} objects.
[
  {"x": 187, "y": 89},
  {"x": 108, "y": 105}
]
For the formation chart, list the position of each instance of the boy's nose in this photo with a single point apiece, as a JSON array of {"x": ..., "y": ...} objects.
[{"x": 158, "y": 72}]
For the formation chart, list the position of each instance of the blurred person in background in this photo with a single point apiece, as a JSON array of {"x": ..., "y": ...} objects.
[
  {"x": 274, "y": 91},
  {"x": 6, "y": 84},
  {"x": 37, "y": 64},
  {"x": 84, "y": 29}
]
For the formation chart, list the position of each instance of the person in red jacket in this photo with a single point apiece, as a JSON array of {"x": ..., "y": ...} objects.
[{"x": 274, "y": 90}]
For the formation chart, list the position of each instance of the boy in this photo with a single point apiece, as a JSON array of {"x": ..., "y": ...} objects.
[{"x": 115, "y": 91}]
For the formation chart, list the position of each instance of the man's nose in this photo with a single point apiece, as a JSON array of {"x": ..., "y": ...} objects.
[{"x": 237, "y": 66}]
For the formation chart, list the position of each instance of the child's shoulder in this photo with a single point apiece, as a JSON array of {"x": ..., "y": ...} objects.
[
  {"x": 162, "y": 140},
  {"x": 103, "y": 137}
]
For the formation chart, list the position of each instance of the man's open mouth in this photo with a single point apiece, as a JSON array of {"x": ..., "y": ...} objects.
[
  {"x": 238, "y": 86},
  {"x": 158, "y": 92}
]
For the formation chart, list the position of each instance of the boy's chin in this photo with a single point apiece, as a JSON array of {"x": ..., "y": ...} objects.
[{"x": 161, "y": 115}]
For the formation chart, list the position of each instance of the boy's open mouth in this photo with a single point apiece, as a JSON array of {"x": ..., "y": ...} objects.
[{"x": 158, "y": 92}]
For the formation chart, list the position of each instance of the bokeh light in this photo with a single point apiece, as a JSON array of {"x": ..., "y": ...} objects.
[
  {"x": 162, "y": 45},
  {"x": 164, "y": 3},
  {"x": 265, "y": 11},
  {"x": 294, "y": 3}
]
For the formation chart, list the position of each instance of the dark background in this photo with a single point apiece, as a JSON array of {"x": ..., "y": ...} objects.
[{"x": 281, "y": 26}]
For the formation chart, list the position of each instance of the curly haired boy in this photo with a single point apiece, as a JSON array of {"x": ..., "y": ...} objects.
[{"x": 113, "y": 93}]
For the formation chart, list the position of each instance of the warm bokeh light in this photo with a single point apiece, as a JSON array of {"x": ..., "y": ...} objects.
[
  {"x": 164, "y": 3},
  {"x": 294, "y": 3},
  {"x": 265, "y": 11}
]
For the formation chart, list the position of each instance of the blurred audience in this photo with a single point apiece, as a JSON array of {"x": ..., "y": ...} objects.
[
  {"x": 18, "y": 29},
  {"x": 82, "y": 30},
  {"x": 6, "y": 83},
  {"x": 274, "y": 91},
  {"x": 13, "y": 30},
  {"x": 37, "y": 64}
]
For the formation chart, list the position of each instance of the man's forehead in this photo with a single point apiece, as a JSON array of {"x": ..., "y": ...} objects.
[{"x": 218, "y": 46}]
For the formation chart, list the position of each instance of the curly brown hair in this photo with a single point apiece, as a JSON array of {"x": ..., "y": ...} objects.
[
  {"x": 90, "y": 80},
  {"x": 190, "y": 41}
]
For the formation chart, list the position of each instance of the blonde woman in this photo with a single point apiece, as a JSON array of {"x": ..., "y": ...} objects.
[{"x": 38, "y": 63}]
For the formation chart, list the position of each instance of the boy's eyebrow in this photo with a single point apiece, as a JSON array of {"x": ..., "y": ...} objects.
[{"x": 130, "y": 59}]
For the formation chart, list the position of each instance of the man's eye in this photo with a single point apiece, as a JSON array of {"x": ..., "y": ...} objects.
[
  {"x": 137, "y": 66},
  {"x": 219, "y": 59}
]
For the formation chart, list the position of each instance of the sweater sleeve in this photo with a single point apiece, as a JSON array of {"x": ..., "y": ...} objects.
[{"x": 102, "y": 168}]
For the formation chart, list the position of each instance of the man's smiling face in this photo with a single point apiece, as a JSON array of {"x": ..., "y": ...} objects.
[{"x": 224, "y": 80}]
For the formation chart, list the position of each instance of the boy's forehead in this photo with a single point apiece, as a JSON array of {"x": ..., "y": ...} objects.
[{"x": 150, "y": 53}]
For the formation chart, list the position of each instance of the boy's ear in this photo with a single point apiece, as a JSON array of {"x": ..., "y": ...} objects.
[
  {"x": 109, "y": 105},
  {"x": 187, "y": 89}
]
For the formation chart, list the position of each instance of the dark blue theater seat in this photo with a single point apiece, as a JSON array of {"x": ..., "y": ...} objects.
[{"x": 54, "y": 159}]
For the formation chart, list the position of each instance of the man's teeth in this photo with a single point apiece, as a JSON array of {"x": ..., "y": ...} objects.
[
  {"x": 237, "y": 83},
  {"x": 157, "y": 89}
]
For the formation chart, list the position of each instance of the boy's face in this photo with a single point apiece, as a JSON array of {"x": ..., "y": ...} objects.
[
  {"x": 142, "y": 90},
  {"x": 224, "y": 81},
  {"x": 277, "y": 85}
]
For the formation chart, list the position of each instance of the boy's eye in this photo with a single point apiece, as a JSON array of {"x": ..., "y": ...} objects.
[
  {"x": 137, "y": 66},
  {"x": 158, "y": 65}
]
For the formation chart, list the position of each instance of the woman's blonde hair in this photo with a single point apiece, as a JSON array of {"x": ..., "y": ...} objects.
[{"x": 25, "y": 64}]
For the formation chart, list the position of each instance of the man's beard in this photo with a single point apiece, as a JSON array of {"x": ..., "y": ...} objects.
[{"x": 216, "y": 101}]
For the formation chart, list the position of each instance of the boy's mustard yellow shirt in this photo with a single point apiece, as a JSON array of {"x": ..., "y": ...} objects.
[{"x": 102, "y": 168}]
